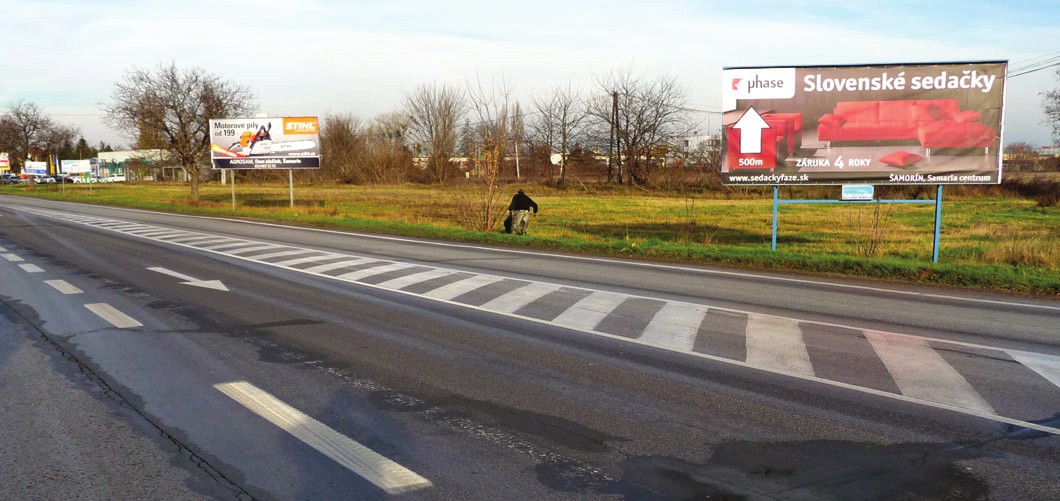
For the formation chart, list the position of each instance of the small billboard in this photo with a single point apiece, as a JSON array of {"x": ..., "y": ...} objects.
[
  {"x": 32, "y": 168},
  {"x": 265, "y": 143},
  {"x": 5, "y": 162},
  {"x": 937, "y": 123},
  {"x": 75, "y": 166}
]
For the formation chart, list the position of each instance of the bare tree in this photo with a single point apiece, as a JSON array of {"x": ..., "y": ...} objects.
[
  {"x": 342, "y": 143},
  {"x": 652, "y": 114},
  {"x": 433, "y": 111},
  {"x": 26, "y": 130},
  {"x": 560, "y": 115},
  {"x": 1051, "y": 106},
  {"x": 389, "y": 159},
  {"x": 492, "y": 108},
  {"x": 170, "y": 108}
]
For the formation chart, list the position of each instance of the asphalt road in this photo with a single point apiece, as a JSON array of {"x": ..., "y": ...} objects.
[{"x": 237, "y": 359}]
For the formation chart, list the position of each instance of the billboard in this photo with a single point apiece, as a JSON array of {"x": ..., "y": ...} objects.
[
  {"x": 5, "y": 162},
  {"x": 75, "y": 166},
  {"x": 937, "y": 123},
  {"x": 265, "y": 143},
  {"x": 35, "y": 168}
]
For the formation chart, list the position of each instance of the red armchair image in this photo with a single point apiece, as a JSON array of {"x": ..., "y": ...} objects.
[{"x": 935, "y": 123}]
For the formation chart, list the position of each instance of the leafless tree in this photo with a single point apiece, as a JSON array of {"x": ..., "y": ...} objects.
[
  {"x": 170, "y": 108},
  {"x": 652, "y": 115},
  {"x": 1051, "y": 106},
  {"x": 342, "y": 146},
  {"x": 25, "y": 130},
  {"x": 389, "y": 160},
  {"x": 560, "y": 115},
  {"x": 434, "y": 110},
  {"x": 491, "y": 107}
]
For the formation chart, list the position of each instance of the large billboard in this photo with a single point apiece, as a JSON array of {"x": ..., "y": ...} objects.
[
  {"x": 265, "y": 143},
  {"x": 934, "y": 123}
]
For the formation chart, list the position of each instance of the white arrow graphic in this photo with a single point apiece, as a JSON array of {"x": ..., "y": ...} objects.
[
  {"x": 750, "y": 126},
  {"x": 207, "y": 284}
]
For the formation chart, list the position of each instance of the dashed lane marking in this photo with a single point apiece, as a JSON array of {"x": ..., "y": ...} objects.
[
  {"x": 113, "y": 315},
  {"x": 370, "y": 465},
  {"x": 63, "y": 286},
  {"x": 31, "y": 268},
  {"x": 14, "y": 258}
]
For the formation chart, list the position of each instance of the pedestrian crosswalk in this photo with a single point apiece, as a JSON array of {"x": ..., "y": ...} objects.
[{"x": 915, "y": 368}]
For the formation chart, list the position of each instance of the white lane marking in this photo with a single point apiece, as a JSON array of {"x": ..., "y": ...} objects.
[
  {"x": 375, "y": 270},
  {"x": 307, "y": 259},
  {"x": 415, "y": 278},
  {"x": 278, "y": 254},
  {"x": 321, "y": 268},
  {"x": 516, "y": 299},
  {"x": 31, "y": 268},
  {"x": 255, "y": 248},
  {"x": 675, "y": 326},
  {"x": 449, "y": 291},
  {"x": 1047, "y": 366},
  {"x": 14, "y": 258},
  {"x": 920, "y": 372},
  {"x": 590, "y": 310},
  {"x": 370, "y": 465},
  {"x": 777, "y": 342},
  {"x": 113, "y": 315},
  {"x": 226, "y": 243},
  {"x": 192, "y": 238},
  {"x": 3, "y": 249},
  {"x": 63, "y": 286},
  {"x": 206, "y": 284}
]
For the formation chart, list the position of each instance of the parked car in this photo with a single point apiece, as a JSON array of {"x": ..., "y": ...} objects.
[
  {"x": 46, "y": 180},
  {"x": 8, "y": 178},
  {"x": 64, "y": 179}
]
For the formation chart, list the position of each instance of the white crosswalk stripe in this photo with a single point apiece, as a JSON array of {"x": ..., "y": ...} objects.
[
  {"x": 308, "y": 259},
  {"x": 321, "y": 268},
  {"x": 777, "y": 343},
  {"x": 518, "y": 298},
  {"x": 455, "y": 289},
  {"x": 920, "y": 372},
  {"x": 1047, "y": 366},
  {"x": 375, "y": 270},
  {"x": 587, "y": 313},
  {"x": 675, "y": 326},
  {"x": 415, "y": 278}
]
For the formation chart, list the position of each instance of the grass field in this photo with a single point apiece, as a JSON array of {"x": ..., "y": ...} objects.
[{"x": 993, "y": 242}]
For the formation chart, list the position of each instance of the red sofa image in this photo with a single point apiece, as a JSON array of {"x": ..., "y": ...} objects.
[{"x": 935, "y": 123}]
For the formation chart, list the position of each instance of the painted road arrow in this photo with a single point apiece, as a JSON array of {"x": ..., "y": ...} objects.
[
  {"x": 751, "y": 125},
  {"x": 207, "y": 284}
]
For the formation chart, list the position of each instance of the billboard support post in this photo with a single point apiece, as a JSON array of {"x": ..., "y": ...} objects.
[
  {"x": 233, "y": 190},
  {"x": 290, "y": 184},
  {"x": 776, "y": 199},
  {"x": 938, "y": 226}
]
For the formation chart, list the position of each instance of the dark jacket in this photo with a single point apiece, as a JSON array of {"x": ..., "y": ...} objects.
[{"x": 522, "y": 202}]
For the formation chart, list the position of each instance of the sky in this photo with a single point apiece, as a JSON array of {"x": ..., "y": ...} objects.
[{"x": 316, "y": 57}]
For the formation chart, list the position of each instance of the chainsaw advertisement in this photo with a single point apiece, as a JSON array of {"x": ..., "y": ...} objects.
[{"x": 265, "y": 143}]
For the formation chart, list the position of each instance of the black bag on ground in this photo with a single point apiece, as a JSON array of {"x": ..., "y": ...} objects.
[{"x": 508, "y": 223}]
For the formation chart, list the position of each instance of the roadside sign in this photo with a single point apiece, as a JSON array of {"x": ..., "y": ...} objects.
[
  {"x": 265, "y": 143},
  {"x": 858, "y": 192},
  {"x": 937, "y": 123}
]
